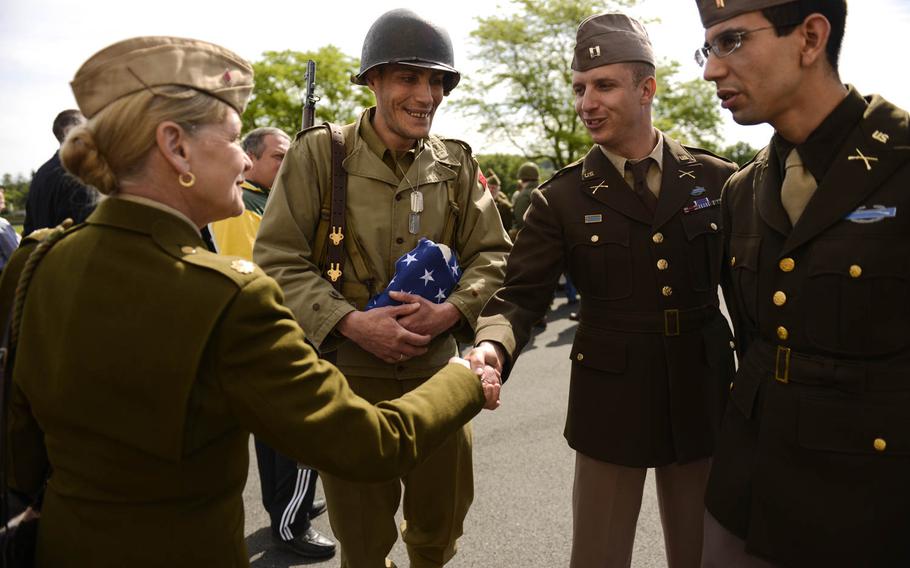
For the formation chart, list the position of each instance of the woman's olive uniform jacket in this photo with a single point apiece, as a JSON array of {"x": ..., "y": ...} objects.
[{"x": 143, "y": 363}]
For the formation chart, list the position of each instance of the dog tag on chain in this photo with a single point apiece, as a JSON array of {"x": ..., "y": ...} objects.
[{"x": 416, "y": 210}]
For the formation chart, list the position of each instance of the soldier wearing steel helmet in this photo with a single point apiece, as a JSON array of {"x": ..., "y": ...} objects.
[
  {"x": 528, "y": 178},
  {"x": 403, "y": 184}
]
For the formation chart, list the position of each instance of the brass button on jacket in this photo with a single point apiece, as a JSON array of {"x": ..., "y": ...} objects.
[
  {"x": 188, "y": 250},
  {"x": 580, "y": 357},
  {"x": 662, "y": 264},
  {"x": 787, "y": 264},
  {"x": 594, "y": 238},
  {"x": 666, "y": 291},
  {"x": 658, "y": 238},
  {"x": 879, "y": 444},
  {"x": 856, "y": 271},
  {"x": 732, "y": 261},
  {"x": 779, "y": 298},
  {"x": 782, "y": 333}
]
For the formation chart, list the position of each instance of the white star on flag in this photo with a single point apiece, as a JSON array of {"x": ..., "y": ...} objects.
[
  {"x": 454, "y": 271},
  {"x": 427, "y": 277},
  {"x": 441, "y": 296},
  {"x": 409, "y": 258}
]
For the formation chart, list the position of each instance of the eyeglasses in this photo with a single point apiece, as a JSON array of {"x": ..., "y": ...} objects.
[{"x": 723, "y": 45}]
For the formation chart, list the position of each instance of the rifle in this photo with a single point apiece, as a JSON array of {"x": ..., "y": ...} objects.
[{"x": 310, "y": 98}]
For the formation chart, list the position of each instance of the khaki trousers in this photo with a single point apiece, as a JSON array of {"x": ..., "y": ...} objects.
[
  {"x": 606, "y": 500},
  {"x": 437, "y": 496}
]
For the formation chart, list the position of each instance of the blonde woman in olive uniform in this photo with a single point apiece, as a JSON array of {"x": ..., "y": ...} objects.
[{"x": 136, "y": 398}]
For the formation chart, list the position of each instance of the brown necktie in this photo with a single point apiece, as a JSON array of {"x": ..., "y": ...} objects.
[
  {"x": 640, "y": 183},
  {"x": 797, "y": 188}
]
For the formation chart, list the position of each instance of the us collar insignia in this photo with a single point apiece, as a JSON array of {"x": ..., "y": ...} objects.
[
  {"x": 880, "y": 136},
  {"x": 872, "y": 214},
  {"x": 684, "y": 173},
  {"x": 243, "y": 266},
  {"x": 699, "y": 190},
  {"x": 598, "y": 218},
  {"x": 587, "y": 175},
  {"x": 698, "y": 204}
]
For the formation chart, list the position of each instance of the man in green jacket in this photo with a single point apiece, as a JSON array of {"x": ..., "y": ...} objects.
[
  {"x": 528, "y": 180},
  {"x": 403, "y": 184}
]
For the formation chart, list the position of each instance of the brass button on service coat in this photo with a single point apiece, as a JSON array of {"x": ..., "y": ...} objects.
[
  {"x": 580, "y": 357},
  {"x": 666, "y": 291},
  {"x": 787, "y": 264},
  {"x": 713, "y": 226},
  {"x": 782, "y": 333},
  {"x": 879, "y": 444},
  {"x": 856, "y": 271},
  {"x": 594, "y": 238},
  {"x": 658, "y": 238},
  {"x": 732, "y": 345},
  {"x": 732, "y": 261},
  {"x": 188, "y": 250},
  {"x": 779, "y": 298},
  {"x": 662, "y": 264}
]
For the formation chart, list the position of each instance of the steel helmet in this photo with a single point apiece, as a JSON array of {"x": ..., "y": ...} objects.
[
  {"x": 528, "y": 171},
  {"x": 401, "y": 36}
]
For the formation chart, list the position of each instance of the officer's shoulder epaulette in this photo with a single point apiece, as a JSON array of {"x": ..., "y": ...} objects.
[
  {"x": 563, "y": 171},
  {"x": 315, "y": 128},
  {"x": 464, "y": 146},
  {"x": 40, "y": 235},
  {"x": 696, "y": 151},
  {"x": 241, "y": 272}
]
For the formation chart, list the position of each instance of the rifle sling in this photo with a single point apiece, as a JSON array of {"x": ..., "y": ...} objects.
[{"x": 334, "y": 268}]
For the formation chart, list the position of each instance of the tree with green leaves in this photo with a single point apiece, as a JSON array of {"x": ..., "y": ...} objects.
[
  {"x": 277, "y": 98},
  {"x": 525, "y": 95}
]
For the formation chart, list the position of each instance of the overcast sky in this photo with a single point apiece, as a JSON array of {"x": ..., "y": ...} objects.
[{"x": 43, "y": 43}]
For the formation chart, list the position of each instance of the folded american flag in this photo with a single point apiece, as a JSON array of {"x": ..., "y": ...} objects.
[{"x": 430, "y": 270}]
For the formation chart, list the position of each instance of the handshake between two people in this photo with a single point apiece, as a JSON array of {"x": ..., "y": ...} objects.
[{"x": 398, "y": 333}]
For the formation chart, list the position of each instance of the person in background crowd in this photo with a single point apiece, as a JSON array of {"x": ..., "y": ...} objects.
[
  {"x": 637, "y": 223},
  {"x": 143, "y": 360},
  {"x": 403, "y": 184},
  {"x": 811, "y": 466},
  {"x": 53, "y": 194},
  {"x": 503, "y": 204},
  {"x": 288, "y": 491},
  {"x": 9, "y": 238},
  {"x": 528, "y": 179}
]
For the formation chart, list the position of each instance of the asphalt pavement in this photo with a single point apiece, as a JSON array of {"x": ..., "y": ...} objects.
[{"x": 523, "y": 469}]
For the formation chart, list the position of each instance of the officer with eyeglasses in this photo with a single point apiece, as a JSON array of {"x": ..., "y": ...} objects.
[{"x": 813, "y": 458}]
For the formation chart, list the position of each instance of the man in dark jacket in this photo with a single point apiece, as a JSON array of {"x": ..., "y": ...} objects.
[
  {"x": 813, "y": 457},
  {"x": 636, "y": 222},
  {"x": 54, "y": 195}
]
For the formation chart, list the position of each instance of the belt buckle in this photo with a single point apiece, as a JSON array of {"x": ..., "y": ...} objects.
[
  {"x": 671, "y": 322},
  {"x": 782, "y": 365}
]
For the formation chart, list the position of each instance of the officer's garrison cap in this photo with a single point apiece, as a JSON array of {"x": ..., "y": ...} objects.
[
  {"x": 141, "y": 63},
  {"x": 605, "y": 39},
  {"x": 716, "y": 11}
]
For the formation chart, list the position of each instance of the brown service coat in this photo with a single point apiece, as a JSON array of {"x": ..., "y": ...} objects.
[
  {"x": 143, "y": 364},
  {"x": 799, "y": 473},
  {"x": 638, "y": 397}
]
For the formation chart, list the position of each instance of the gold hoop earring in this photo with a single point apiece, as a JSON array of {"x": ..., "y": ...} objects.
[{"x": 187, "y": 182}]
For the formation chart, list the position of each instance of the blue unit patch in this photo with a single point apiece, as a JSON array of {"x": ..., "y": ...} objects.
[
  {"x": 594, "y": 218},
  {"x": 872, "y": 214},
  {"x": 699, "y": 190}
]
